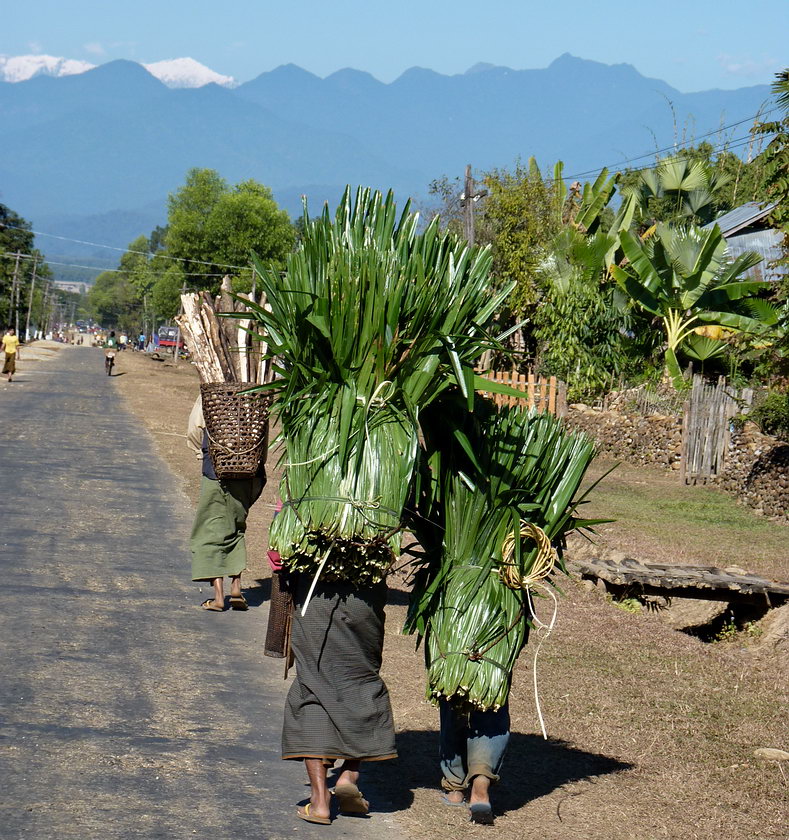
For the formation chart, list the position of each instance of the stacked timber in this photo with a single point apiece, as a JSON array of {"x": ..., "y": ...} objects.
[
  {"x": 231, "y": 361},
  {"x": 223, "y": 348}
]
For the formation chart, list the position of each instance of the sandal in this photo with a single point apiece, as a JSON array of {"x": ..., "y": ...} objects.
[
  {"x": 304, "y": 814},
  {"x": 481, "y": 814},
  {"x": 238, "y": 602},
  {"x": 211, "y": 606},
  {"x": 351, "y": 801}
]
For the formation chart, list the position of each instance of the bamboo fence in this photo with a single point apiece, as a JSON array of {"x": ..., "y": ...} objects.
[{"x": 543, "y": 393}]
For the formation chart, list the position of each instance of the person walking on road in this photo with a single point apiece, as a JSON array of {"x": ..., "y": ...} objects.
[
  {"x": 217, "y": 542},
  {"x": 11, "y": 348},
  {"x": 338, "y": 706}
]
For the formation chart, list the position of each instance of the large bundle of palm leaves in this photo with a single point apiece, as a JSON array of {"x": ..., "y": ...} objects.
[
  {"x": 501, "y": 490},
  {"x": 371, "y": 321}
]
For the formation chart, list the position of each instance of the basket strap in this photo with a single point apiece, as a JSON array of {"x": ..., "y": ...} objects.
[{"x": 233, "y": 451}]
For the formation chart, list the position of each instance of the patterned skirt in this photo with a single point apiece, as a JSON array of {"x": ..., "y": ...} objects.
[{"x": 338, "y": 706}]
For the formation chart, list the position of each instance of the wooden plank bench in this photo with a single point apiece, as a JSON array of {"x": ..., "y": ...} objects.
[{"x": 683, "y": 581}]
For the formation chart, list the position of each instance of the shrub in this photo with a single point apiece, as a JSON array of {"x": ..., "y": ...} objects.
[{"x": 771, "y": 415}]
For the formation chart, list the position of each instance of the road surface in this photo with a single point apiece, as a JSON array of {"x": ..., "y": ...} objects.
[{"x": 126, "y": 710}]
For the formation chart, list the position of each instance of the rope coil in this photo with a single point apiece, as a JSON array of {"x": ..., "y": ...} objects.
[{"x": 544, "y": 562}]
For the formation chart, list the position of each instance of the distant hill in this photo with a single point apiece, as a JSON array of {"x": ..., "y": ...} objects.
[{"x": 96, "y": 153}]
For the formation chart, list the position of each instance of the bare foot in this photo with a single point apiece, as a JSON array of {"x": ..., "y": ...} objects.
[{"x": 456, "y": 797}]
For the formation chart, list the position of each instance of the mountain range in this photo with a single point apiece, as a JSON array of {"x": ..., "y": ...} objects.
[
  {"x": 175, "y": 72},
  {"x": 93, "y": 155}
]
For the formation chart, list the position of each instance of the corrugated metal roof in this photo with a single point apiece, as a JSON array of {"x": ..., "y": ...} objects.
[
  {"x": 764, "y": 242},
  {"x": 742, "y": 216}
]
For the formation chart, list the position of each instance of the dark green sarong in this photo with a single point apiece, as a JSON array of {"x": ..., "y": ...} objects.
[
  {"x": 338, "y": 706},
  {"x": 217, "y": 542}
]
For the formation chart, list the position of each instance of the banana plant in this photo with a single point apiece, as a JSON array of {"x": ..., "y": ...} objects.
[{"x": 686, "y": 278}]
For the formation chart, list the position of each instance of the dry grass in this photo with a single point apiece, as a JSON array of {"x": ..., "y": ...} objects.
[{"x": 652, "y": 732}]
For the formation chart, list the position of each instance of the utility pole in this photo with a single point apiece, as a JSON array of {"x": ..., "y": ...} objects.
[
  {"x": 178, "y": 331},
  {"x": 468, "y": 198},
  {"x": 30, "y": 301},
  {"x": 13, "y": 291}
]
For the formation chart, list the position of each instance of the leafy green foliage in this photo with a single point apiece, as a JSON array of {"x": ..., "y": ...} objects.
[
  {"x": 373, "y": 321},
  {"x": 17, "y": 238},
  {"x": 580, "y": 327},
  {"x": 772, "y": 415},
  {"x": 212, "y": 226},
  {"x": 521, "y": 221},
  {"x": 685, "y": 278}
]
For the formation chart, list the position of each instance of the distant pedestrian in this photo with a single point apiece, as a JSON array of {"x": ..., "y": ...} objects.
[
  {"x": 217, "y": 543},
  {"x": 11, "y": 348},
  {"x": 141, "y": 341}
]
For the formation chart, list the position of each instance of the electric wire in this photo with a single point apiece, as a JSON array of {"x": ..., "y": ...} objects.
[
  {"x": 674, "y": 148},
  {"x": 724, "y": 146}
]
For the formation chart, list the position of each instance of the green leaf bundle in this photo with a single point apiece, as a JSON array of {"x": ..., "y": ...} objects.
[
  {"x": 371, "y": 321},
  {"x": 501, "y": 469}
]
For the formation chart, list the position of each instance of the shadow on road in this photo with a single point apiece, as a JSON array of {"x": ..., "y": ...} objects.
[
  {"x": 533, "y": 768},
  {"x": 259, "y": 593}
]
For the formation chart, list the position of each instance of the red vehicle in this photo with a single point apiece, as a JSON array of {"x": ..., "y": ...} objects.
[{"x": 169, "y": 335}]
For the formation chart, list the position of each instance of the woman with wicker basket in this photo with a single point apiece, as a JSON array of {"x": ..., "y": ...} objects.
[{"x": 217, "y": 542}]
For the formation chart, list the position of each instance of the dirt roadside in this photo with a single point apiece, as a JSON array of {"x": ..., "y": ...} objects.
[{"x": 652, "y": 732}]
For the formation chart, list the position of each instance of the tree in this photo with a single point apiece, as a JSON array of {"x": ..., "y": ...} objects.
[
  {"x": 579, "y": 327},
  {"x": 686, "y": 188},
  {"x": 520, "y": 215},
  {"x": 213, "y": 228},
  {"x": 685, "y": 278},
  {"x": 114, "y": 301},
  {"x": 17, "y": 238}
]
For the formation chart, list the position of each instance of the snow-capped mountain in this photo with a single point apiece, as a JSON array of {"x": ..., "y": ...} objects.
[
  {"x": 18, "y": 68},
  {"x": 175, "y": 73},
  {"x": 187, "y": 73}
]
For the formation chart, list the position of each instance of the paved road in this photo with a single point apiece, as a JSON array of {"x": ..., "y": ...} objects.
[{"x": 126, "y": 711}]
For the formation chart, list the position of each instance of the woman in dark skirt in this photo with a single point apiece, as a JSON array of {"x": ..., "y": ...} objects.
[{"x": 338, "y": 707}]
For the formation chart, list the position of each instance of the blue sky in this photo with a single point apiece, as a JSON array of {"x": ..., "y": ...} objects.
[{"x": 693, "y": 45}]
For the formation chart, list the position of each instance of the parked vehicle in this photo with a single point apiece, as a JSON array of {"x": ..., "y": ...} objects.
[{"x": 168, "y": 336}]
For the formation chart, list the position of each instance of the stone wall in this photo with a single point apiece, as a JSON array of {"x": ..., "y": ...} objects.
[
  {"x": 637, "y": 439},
  {"x": 756, "y": 469}
]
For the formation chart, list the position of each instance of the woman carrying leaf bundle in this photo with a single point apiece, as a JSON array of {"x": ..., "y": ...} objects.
[{"x": 372, "y": 321}]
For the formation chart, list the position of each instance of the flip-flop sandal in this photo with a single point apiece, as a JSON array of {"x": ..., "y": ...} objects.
[
  {"x": 210, "y": 606},
  {"x": 351, "y": 801},
  {"x": 238, "y": 602},
  {"x": 447, "y": 801},
  {"x": 481, "y": 814},
  {"x": 304, "y": 814}
]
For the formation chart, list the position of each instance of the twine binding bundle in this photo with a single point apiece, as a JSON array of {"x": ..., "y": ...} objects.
[{"x": 237, "y": 427}]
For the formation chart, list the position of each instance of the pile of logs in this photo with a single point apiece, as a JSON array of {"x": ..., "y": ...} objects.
[{"x": 222, "y": 348}]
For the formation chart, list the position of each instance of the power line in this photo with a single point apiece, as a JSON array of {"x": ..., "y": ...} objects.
[
  {"x": 675, "y": 148},
  {"x": 94, "y": 267},
  {"x": 723, "y": 146},
  {"x": 123, "y": 250}
]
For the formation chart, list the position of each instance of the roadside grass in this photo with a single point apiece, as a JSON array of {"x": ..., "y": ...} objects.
[
  {"x": 660, "y": 520},
  {"x": 651, "y": 732}
]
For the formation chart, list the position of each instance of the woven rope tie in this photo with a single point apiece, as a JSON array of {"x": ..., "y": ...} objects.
[{"x": 543, "y": 565}]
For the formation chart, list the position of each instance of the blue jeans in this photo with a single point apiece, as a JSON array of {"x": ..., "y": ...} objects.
[{"x": 471, "y": 744}]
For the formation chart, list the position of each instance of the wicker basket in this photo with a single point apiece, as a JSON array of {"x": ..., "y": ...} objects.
[
  {"x": 237, "y": 427},
  {"x": 280, "y": 618}
]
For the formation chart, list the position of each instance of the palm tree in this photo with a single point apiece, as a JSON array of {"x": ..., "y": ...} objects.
[
  {"x": 686, "y": 278},
  {"x": 680, "y": 189}
]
